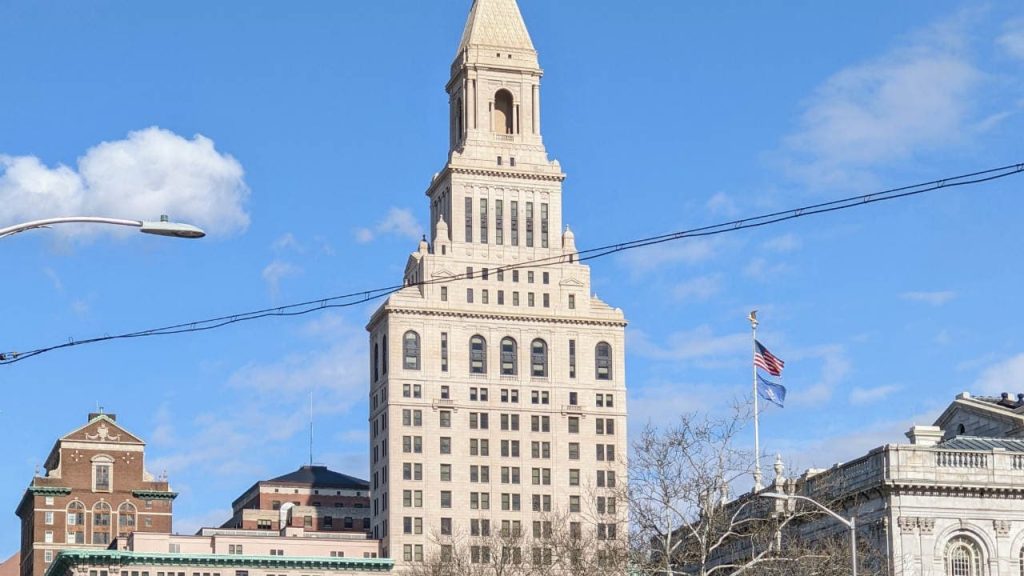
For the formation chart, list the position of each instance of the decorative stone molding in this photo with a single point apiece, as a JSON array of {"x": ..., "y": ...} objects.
[
  {"x": 1002, "y": 528},
  {"x": 907, "y": 524},
  {"x": 927, "y": 525}
]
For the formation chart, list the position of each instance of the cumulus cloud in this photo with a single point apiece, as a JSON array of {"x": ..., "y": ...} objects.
[
  {"x": 937, "y": 298},
  {"x": 917, "y": 97},
  {"x": 398, "y": 222},
  {"x": 149, "y": 173},
  {"x": 1003, "y": 376}
]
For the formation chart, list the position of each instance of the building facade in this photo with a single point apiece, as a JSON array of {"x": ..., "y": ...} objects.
[
  {"x": 313, "y": 497},
  {"x": 94, "y": 489},
  {"x": 497, "y": 393},
  {"x": 949, "y": 503},
  {"x": 218, "y": 552}
]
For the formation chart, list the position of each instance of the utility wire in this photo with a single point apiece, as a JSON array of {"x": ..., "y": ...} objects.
[{"x": 356, "y": 298}]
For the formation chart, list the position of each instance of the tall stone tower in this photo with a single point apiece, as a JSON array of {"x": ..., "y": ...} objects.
[{"x": 498, "y": 393}]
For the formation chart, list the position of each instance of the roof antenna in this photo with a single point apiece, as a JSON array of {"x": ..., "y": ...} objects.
[{"x": 310, "y": 428}]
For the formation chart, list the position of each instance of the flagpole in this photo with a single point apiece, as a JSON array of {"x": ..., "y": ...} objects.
[{"x": 757, "y": 432}]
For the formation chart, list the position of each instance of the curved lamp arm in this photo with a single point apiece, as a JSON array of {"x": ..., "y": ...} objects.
[{"x": 163, "y": 227}]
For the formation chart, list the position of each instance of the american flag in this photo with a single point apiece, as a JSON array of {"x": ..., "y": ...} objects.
[{"x": 766, "y": 360}]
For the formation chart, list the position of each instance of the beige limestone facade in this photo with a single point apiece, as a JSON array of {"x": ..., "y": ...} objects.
[{"x": 498, "y": 383}]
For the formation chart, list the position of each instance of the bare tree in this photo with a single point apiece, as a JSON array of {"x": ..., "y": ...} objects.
[{"x": 684, "y": 521}]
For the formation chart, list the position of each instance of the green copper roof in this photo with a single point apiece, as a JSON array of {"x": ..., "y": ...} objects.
[
  {"x": 70, "y": 558},
  {"x": 154, "y": 494},
  {"x": 50, "y": 490}
]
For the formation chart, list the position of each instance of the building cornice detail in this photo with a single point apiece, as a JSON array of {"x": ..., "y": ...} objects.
[
  {"x": 505, "y": 317},
  {"x": 49, "y": 490},
  {"x": 70, "y": 558},
  {"x": 154, "y": 494}
]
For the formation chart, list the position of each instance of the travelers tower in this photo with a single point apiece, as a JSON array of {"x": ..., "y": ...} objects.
[{"x": 498, "y": 395}]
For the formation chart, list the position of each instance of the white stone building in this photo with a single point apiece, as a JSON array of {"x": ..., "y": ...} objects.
[
  {"x": 951, "y": 502},
  {"x": 498, "y": 393}
]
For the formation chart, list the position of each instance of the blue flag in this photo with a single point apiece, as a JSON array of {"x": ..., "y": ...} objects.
[{"x": 771, "y": 391}]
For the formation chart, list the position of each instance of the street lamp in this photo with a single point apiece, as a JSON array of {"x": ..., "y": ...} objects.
[
  {"x": 851, "y": 523},
  {"x": 163, "y": 227}
]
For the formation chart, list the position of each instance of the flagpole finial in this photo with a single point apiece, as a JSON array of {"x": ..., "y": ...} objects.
[{"x": 753, "y": 318}]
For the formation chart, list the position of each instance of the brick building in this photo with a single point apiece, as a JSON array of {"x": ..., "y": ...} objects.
[
  {"x": 94, "y": 488},
  {"x": 313, "y": 497}
]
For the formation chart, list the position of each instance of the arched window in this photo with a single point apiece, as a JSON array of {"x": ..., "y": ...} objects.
[
  {"x": 509, "y": 357},
  {"x": 101, "y": 523},
  {"x": 76, "y": 523},
  {"x": 125, "y": 518},
  {"x": 411, "y": 350},
  {"x": 477, "y": 355},
  {"x": 503, "y": 120},
  {"x": 539, "y": 358},
  {"x": 384, "y": 355},
  {"x": 603, "y": 361},
  {"x": 963, "y": 557}
]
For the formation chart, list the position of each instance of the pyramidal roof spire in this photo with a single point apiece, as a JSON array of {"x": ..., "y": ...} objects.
[{"x": 496, "y": 24}]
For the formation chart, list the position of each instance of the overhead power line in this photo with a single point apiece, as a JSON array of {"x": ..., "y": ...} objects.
[{"x": 355, "y": 298}]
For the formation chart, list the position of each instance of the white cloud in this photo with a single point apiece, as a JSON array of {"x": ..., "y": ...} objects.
[
  {"x": 1004, "y": 376},
  {"x": 698, "y": 344},
  {"x": 763, "y": 269},
  {"x": 785, "y": 243},
  {"x": 272, "y": 407},
  {"x": 687, "y": 251},
  {"x": 398, "y": 222},
  {"x": 276, "y": 271},
  {"x": 698, "y": 289},
  {"x": 917, "y": 97},
  {"x": 937, "y": 298},
  {"x": 835, "y": 367},
  {"x": 1012, "y": 39},
  {"x": 149, "y": 173},
  {"x": 287, "y": 241},
  {"x": 860, "y": 396},
  {"x": 722, "y": 204}
]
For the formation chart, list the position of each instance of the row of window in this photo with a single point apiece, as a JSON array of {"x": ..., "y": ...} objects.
[
  {"x": 507, "y": 395},
  {"x": 509, "y": 448},
  {"x": 509, "y": 356},
  {"x": 499, "y": 222}
]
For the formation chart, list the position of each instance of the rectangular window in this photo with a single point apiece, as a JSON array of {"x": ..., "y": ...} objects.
[
  {"x": 515, "y": 298},
  {"x": 529, "y": 224},
  {"x": 530, "y": 300},
  {"x": 515, "y": 223},
  {"x": 445, "y": 418},
  {"x": 501, "y": 297},
  {"x": 446, "y": 526},
  {"x": 574, "y": 503},
  {"x": 499, "y": 231},
  {"x": 446, "y": 472},
  {"x": 48, "y": 518},
  {"x": 572, "y": 359},
  {"x": 543, "y": 225},
  {"x": 483, "y": 221},
  {"x": 573, "y": 399},
  {"x": 484, "y": 297},
  {"x": 469, "y": 219},
  {"x": 446, "y": 499},
  {"x": 446, "y": 445},
  {"x": 469, "y": 295},
  {"x": 547, "y": 277},
  {"x": 574, "y": 425},
  {"x": 574, "y": 477},
  {"x": 444, "y": 351},
  {"x": 445, "y": 395},
  {"x": 574, "y": 451},
  {"x": 572, "y": 301},
  {"x": 101, "y": 477},
  {"x": 547, "y": 300}
]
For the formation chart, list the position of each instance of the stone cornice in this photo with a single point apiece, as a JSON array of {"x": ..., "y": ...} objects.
[
  {"x": 154, "y": 494},
  {"x": 1003, "y": 492},
  {"x": 505, "y": 317},
  {"x": 508, "y": 174},
  {"x": 67, "y": 559}
]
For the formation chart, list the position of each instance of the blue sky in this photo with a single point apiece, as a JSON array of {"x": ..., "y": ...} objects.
[{"x": 302, "y": 138}]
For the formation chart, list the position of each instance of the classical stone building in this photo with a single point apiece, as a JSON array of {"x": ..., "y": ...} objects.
[
  {"x": 313, "y": 497},
  {"x": 498, "y": 393},
  {"x": 218, "y": 552},
  {"x": 951, "y": 502},
  {"x": 94, "y": 488}
]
